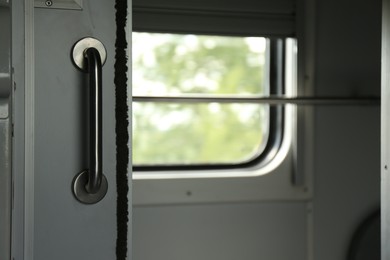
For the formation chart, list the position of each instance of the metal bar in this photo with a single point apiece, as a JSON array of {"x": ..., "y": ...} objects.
[
  {"x": 95, "y": 117},
  {"x": 280, "y": 100},
  {"x": 90, "y": 186}
]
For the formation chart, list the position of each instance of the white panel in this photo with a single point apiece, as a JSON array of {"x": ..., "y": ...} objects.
[{"x": 246, "y": 231}]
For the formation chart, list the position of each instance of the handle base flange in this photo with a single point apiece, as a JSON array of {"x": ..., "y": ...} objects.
[
  {"x": 78, "y": 51},
  {"x": 80, "y": 192}
]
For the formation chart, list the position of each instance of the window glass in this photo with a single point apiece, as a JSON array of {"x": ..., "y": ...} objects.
[
  {"x": 198, "y": 133},
  {"x": 205, "y": 132},
  {"x": 173, "y": 64}
]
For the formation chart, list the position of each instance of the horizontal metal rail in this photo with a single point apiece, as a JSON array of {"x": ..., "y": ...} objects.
[{"x": 279, "y": 100}]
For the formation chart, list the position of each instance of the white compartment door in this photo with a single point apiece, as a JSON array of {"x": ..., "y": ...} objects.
[{"x": 58, "y": 225}]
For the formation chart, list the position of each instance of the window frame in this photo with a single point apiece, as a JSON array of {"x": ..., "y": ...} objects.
[
  {"x": 281, "y": 178},
  {"x": 276, "y": 62},
  {"x": 289, "y": 175}
]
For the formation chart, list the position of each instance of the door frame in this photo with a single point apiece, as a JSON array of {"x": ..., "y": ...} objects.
[
  {"x": 23, "y": 128},
  {"x": 29, "y": 134},
  {"x": 385, "y": 132}
]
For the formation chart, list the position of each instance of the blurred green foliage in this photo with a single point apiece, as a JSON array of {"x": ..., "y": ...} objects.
[{"x": 204, "y": 133}]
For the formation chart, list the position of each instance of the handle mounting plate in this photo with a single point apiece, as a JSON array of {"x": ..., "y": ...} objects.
[
  {"x": 81, "y": 194},
  {"x": 78, "y": 52}
]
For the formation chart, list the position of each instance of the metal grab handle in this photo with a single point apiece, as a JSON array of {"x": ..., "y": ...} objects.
[
  {"x": 90, "y": 186},
  {"x": 95, "y": 120}
]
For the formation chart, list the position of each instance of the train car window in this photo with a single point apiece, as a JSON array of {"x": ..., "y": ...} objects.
[
  {"x": 210, "y": 131},
  {"x": 205, "y": 127},
  {"x": 193, "y": 100},
  {"x": 197, "y": 67}
]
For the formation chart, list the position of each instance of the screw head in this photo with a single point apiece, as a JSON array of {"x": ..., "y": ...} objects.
[{"x": 48, "y": 3}]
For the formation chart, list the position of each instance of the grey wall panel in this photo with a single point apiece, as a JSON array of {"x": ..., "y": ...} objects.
[
  {"x": 347, "y": 139},
  {"x": 348, "y": 47},
  {"x": 254, "y": 231},
  {"x": 347, "y": 176}
]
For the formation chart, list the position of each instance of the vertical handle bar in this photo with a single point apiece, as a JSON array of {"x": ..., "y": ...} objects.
[
  {"x": 90, "y": 186},
  {"x": 95, "y": 120}
]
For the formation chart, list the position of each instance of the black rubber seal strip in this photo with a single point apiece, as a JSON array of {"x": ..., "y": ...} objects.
[{"x": 121, "y": 129}]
